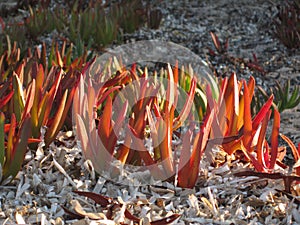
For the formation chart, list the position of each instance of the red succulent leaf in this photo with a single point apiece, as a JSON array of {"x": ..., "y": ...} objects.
[
  {"x": 262, "y": 113},
  {"x": 138, "y": 144},
  {"x": 274, "y": 139},
  {"x": 105, "y": 94},
  {"x": 4, "y": 100},
  {"x": 33, "y": 140},
  {"x": 258, "y": 167},
  {"x": 251, "y": 86},
  {"x": 256, "y": 67},
  {"x": 184, "y": 159},
  {"x": 216, "y": 42},
  {"x": 211, "y": 52},
  {"x": 232, "y": 146},
  {"x": 105, "y": 123},
  {"x": 51, "y": 96},
  {"x": 176, "y": 73},
  {"x": 118, "y": 79},
  {"x": 192, "y": 165},
  {"x": 261, "y": 140},
  {"x": 295, "y": 151},
  {"x": 254, "y": 58},
  {"x": 223, "y": 140},
  {"x": 178, "y": 121}
]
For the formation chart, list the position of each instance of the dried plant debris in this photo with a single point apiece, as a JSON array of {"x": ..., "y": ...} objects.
[{"x": 56, "y": 187}]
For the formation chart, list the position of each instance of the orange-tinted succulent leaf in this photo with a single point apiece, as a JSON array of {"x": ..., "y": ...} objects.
[
  {"x": 184, "y": 160},
  {"x": 247, "y": 138},
  {"x": 53, "y": 129},
  {"x": 192, "y": 165}
]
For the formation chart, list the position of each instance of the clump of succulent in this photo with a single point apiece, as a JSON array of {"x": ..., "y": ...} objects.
[
  {"x": 94, "y": 25},
  {"x": 225, "y": 121},
  {"x": 34, "y": 96},
  {"x": 14, "y": 139},
  {"x": 27, "y": 32},
  {"x": 287, "y": 24},
  {"x": 39, "y": 22},
  {"x": 154, "y": 18},
  {"x": 102, "y": 24},
  {"x": 148, "y": 105},
  {"x": 284, "y": 96},
  {"x": 221, "y": 54},
  {"x": 25, "y": 4},
  {"x": 38, "y": 91}
]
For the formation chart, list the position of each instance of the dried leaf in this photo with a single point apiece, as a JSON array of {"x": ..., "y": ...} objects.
[
  {"x": 79, "y": 210},
  {"x": 167, "y": 220},
  {"x": 99, "y": 199},
  {"x": 19, "y": 218}
]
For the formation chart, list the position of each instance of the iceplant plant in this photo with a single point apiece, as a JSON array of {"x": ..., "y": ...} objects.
[
  {"x": 14, "y": 138},
  {"x": 99, "y": 142},
  {"x": 38, "y": 97},
  {"x": 239, "y": 131}
]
